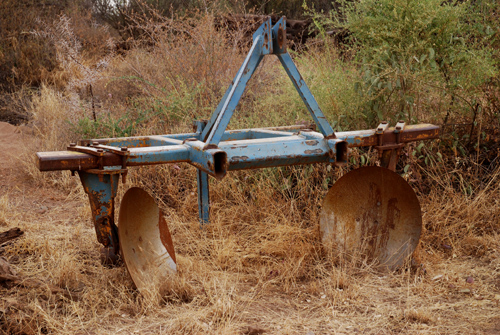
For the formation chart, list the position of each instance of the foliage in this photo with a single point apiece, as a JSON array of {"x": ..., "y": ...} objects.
[
  {"x": 330, "y": 79},
  {"x": 407, "y": 48}
]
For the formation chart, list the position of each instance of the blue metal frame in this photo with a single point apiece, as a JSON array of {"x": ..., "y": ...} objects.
[
  {"x": 213, "y": 150},
  {"x": 203, "y": 196},
  {"x": 265, "y": 40},
  {"x": 101, "y": 189}
]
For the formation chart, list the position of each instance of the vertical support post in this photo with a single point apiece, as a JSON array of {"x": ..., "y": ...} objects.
[
  {"x": 203, "y": 197},
  {"x": 101, "y": 189}
]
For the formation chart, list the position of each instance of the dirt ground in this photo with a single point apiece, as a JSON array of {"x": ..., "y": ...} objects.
[{"x": 62, "y": 288}]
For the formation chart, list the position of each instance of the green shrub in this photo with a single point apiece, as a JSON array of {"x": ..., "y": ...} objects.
[{"x": 419, "y": 58}]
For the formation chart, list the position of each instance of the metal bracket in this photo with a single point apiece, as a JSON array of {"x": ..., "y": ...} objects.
[
  {"x": 99, "y": 150},
  {"x": 388, "y": 153}
]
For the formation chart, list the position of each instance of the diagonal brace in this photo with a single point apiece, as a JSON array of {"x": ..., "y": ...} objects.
[{"x": 266, "y": 40}]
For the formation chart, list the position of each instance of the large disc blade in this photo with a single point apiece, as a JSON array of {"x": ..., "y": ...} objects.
[
  {"x": 374, "y": 213},
  {"x": 145, "y": 241}
]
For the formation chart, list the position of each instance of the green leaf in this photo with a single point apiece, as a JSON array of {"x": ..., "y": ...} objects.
[
  {"x": 420, "y": 146},
  {"x": 432, "y": 54}
]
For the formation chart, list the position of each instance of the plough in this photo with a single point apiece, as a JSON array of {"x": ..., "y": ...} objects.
[{"x": 370, "y": 208}]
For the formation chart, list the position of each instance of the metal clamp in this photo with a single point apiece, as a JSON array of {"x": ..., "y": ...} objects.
[
  {"x": 388, "y": 153},
  {"x": 99, "y": 150}
]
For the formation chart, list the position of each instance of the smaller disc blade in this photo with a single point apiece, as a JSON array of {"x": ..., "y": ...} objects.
[
  {"x": 145, "y": 242},
  {"x": 372, "y": 212}
]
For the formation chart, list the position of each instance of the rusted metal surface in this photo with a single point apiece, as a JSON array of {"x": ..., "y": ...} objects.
[
  {"x": 145, "y": 241},
  {"x": 101, "y": 190},
  {"x": 372, "y": 213},
  {"x": 75, "y": 161},
  {"x": 365, "y": 138},
  {"x": 388, "y": 153}
]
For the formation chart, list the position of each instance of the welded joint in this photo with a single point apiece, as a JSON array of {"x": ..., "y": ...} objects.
[
  {"x": 207, "y": 157},
  {"x": 101, "y": 172}
]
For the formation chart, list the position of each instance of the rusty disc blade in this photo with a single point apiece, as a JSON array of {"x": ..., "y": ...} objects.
[
  {"x": 145, "y": 242},
  {"x": 372, "y": 212}
]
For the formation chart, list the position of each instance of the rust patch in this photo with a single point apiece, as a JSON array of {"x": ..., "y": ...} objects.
[
  {"x": 312, "y": 142},
  {"x": 103, "y": 219},
  {"x": 281, "y": 37},
  {"x": 393, "y": 213},
  {"x": 374, "y": 231},
  {"x": 312, "y": 152}
]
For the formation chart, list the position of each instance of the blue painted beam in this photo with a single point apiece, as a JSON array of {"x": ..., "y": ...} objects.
[
  {"x": 306, "y": 95},
  {"x": 223, "y": 116},
  {"x": 203, "y": 197},
  {"x": 279, "y": 151}
]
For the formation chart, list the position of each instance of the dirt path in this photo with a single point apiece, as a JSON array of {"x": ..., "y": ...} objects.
[{"x": 13, "y": 180}]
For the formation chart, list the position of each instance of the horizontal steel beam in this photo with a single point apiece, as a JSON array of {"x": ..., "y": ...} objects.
[
  {"x": 246, "y": 149},
  {"x": 212, "y": 161},
  {"x": 411, "y": 133}
]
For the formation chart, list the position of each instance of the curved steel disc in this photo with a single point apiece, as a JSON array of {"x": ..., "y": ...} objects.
[
  {"x": 373, "y": 212},
  {"x": 145, "y": 241}
]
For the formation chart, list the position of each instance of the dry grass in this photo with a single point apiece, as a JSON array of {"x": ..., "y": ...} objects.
[{"x": 259, "y": 267}]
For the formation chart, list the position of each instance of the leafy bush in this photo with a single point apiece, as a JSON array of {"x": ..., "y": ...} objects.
[{"x": 418, "y": 58}]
